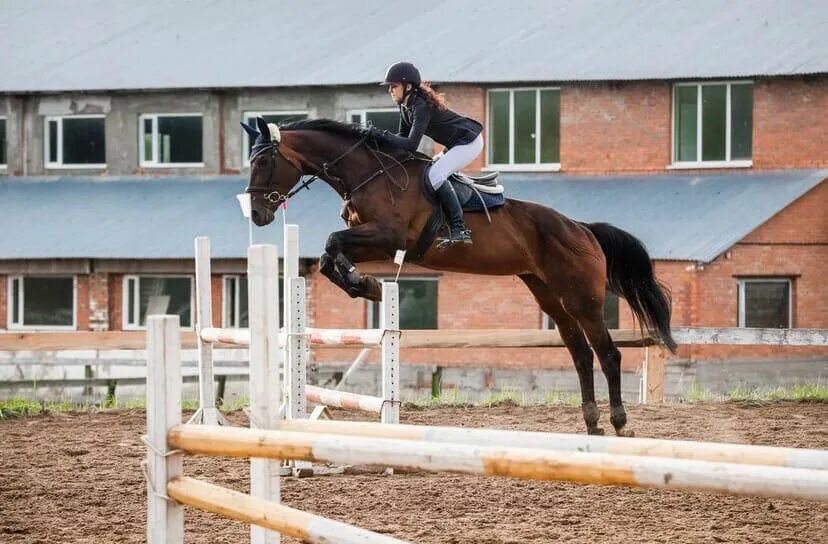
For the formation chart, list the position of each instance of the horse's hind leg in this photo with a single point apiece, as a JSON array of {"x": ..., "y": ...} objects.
[
  {"x": 576, "y": 344},
  {"x": 591, "y": 318}
]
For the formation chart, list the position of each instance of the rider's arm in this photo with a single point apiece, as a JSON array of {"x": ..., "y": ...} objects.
[
  {"x": 421, "y": 115},
  {"x": 405, "y": 127}
]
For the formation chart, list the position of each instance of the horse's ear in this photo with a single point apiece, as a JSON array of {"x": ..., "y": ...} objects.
[
  {"x": 262, "y": 126},
  {"x": 252, "y": 132}
]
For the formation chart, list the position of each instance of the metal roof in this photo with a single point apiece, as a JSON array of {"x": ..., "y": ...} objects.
[
  {"x": 58, "y": 45},
  {"x": 679, "y": 217}
]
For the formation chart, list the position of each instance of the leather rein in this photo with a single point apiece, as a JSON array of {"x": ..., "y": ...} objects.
[{"x": 275, "y": 197}]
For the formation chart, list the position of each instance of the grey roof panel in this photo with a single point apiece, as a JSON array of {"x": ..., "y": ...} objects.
[
  {"x": 679, "y": 217},
  {"x": 54, "y": 45}
]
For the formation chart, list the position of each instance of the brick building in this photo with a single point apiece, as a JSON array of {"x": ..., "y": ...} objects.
[{"x": 715, "y": 155}]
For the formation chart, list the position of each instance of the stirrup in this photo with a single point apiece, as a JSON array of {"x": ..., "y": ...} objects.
[{"x": 446, "y": 242}]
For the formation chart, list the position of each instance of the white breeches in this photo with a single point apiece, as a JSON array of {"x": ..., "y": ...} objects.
[{"x": 454, "y": 160}]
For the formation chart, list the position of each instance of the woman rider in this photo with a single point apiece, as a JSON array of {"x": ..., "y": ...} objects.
[{"x": 424, "y": 112}]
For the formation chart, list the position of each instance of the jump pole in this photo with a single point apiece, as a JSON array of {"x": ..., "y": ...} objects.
[
  {"x": 513, "y": 462},
  {"x": 652, "y": 447},
  {"x": 207, "y": 412},
  {"x": 266, "y": 358}
]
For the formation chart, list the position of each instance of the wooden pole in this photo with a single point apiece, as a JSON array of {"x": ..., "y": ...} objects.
[
  {"x": 165, "y": 518},
  {"x": 296, "y": 359},
  {"x": 207, "y": 412},
  {"x": 655, "y": 358},
  {"x": 343, "y": 399},
  {"x": 680, "y": 449},
  {"x": 266, "y": 359},
  {"x": 273, "y": 516},
  {"x": 390, "y": 347},
  {"x": 525, "y": 463}
]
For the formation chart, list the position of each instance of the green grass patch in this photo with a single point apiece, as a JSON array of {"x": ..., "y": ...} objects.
[{"x": 807, "y": 392}]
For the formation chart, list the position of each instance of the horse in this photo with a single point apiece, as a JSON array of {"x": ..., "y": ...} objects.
[{"x": 567, "y": 265}]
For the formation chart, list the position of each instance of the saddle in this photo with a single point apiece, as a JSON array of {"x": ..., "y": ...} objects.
[{"x": 475, "y": 193}]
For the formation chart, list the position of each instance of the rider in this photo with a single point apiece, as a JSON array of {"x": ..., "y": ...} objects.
[{"x": 424, "y": 112}]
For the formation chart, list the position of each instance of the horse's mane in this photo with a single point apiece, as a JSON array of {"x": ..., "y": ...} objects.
[{"x": 353, "y": 130}]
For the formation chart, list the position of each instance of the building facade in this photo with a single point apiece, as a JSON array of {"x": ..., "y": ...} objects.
[{"x": 722, "y": 124}]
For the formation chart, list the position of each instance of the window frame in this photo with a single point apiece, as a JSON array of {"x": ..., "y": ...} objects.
[
  {"x": 225, "y": 300},
  {"x": 21, "y": 326},
  {"x": 143, "y": 163},
  {"x": 363, "y": 113},
  {"x": 511, "y": 166},
  {"x": 246, "y": 137},
  {"x": 126, "y": 325},
  {"x": 5, "y": 165},
  {"x": 740, "y": 310},
  {"x": 60, "y": 165},
  {"x": 698, "y": 163},
  {"x": 370, "y": 304}
]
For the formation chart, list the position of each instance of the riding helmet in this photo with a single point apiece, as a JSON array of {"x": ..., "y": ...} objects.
[{"x": 402, "y": 72}]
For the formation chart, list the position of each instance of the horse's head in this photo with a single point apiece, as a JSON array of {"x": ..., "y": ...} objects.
[{"x": 272, "y": 174}]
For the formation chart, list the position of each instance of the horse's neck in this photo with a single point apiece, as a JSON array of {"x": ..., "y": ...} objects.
[{"x": 319, "y": 149}]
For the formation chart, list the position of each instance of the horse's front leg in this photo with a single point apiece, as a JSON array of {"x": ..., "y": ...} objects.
[{"x": 366, "y": 242}]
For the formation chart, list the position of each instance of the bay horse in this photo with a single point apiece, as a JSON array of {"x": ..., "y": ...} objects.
[{"x": 567, "y": 265}]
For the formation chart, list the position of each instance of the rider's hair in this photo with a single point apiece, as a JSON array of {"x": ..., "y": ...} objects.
[{"x": 435, "y": 99}]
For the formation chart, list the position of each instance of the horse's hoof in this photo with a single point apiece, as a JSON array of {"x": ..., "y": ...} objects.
[
  {"x": 625, "y": 432},
  {"x": 596, "y": 431}
]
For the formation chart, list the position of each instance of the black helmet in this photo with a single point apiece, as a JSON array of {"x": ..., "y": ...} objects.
[{"x": 402, "y": 72}]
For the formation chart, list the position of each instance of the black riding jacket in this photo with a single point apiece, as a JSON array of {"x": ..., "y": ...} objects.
[{"x": 447, "y": 128}]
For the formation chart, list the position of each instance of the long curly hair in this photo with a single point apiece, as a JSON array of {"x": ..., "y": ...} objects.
[{"x": 435, "y": 99}]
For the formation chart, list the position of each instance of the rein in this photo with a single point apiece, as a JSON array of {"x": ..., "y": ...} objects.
[{"x": 278, "y": 198}]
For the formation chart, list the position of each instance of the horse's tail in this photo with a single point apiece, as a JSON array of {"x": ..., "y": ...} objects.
[{"x": 630, "y": 275}]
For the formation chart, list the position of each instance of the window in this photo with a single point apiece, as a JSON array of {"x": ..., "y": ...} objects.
[
  {"x": 150, "y": 295},
  {"x": 382, "y": 118},
  {"x": 2, "y": 143},
  {"x": 269, "y": 117},
  {"x": 765, "y": 303},
  {"x": 713, "y": 124},
  {"x": 235, "y": 313},
  {"x": 525, "y": 128},
  {"x": 77, "y": 141},
  {"x": 42, "y": 302},
  {"x": 171, "y": 140},
  {"x": 611, "y": 313},
  {"x": 235, "y": 302},
  {"x": 418, "y": 305}
]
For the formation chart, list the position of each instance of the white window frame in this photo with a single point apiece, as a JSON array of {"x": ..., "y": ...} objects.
[
  {"x": 363, "y": 113},
  {"x": 59, "y": 165},
  {"x": 154, "y": 162},
  {"x": 225, "y": 300},
  {"x": 698, "y": 163},
  {"x": 743, "y": 299},
  {"x": 369, "y": 315},
  {"x": 136, "y": 318},
  {"x": 511, "y": 166},
  {"x": 4, "y": 166},
  {"x": 21, "y": 326},
  {"x": 246, "y": 137}
]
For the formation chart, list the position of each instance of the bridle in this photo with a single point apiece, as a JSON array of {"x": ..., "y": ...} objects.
[{"x": 275, "y": 197}]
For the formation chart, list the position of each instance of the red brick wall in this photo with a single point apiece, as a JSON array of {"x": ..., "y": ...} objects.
[
  {"x": 615, "y": 127},
  {"x": 116, "y": 299},
  {"x": 790, "y": 123},
  {"x": 82, "y": 282},
  {"x": 626, "y": 127},
  {"x": 98, "y": 302}
]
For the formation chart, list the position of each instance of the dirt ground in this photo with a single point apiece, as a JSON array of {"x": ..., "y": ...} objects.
[{"x": 76, "y": 478}]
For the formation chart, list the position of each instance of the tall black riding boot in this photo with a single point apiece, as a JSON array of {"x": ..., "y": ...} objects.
[{"x": 458, "y": 232}]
